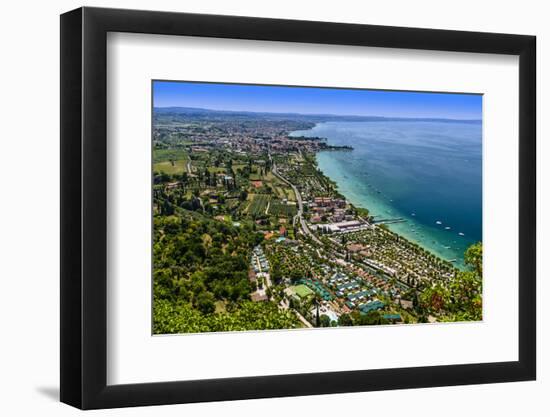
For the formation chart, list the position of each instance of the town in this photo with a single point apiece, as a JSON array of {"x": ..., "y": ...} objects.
[{"x": 313, "y": 257}]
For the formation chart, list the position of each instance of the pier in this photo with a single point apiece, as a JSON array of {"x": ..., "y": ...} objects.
[{"x": 390, "y": 221}]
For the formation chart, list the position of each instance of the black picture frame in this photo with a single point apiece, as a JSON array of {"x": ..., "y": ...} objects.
[{"x": 84, "y": 207}]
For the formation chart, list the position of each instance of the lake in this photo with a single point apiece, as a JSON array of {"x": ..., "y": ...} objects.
[{"x": 428, "y": 173}]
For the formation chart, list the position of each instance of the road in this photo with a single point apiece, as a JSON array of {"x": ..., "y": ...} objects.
[
  {"x": 299, "y": 216},
  {"x": 284, "y": 305}
]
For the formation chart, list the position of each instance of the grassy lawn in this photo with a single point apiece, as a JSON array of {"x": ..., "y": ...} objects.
[
  {"x": 163, "y": 155},
  {"x": 215, "y": 170},
  {"x": 290, "y": 194},
  {"x": 280, "y": 192},
  {"x": 237, "y": 166},
  {"x": 171, "y": 167},
  {"x": 271, "y": 178}
]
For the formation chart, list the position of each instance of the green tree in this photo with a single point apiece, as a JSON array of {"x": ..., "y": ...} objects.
[
  {"x": 205, "y": 303},
  {"x": 434, "y": 299},
  {"x": 275, "y": 273},
  {"x": 324, "y": 320},
  {"x": 345, "y": 320},
  {"x": 473, "y": 257}
]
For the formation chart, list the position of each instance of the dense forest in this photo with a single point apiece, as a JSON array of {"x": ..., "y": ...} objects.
[{"x": 201, "y": 277}]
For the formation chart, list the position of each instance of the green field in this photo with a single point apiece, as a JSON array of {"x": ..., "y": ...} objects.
[
  {"x": 237, "y": 165},
  {"x": 171, "y": 167},
  {"x": 290, "y": 194},
  {"x": 162, "y": 155},
  {"x": 258, "y": 205},
  {"x": 302, "y": 291},
  {"x": 215, "y": 170},
  {"x": 278, "y": 208}
]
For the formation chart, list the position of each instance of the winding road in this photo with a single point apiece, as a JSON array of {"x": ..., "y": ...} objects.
[{"x": 299, "y": 216}]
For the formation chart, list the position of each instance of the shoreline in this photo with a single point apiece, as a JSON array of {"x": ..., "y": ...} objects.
[{"x": 379, "y": 208}]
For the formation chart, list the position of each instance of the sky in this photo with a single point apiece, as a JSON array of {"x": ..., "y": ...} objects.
[{"x": 310, "y": 100}]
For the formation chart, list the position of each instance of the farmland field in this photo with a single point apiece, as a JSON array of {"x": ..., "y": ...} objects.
[
  {"x": 278, "y": 208},
  {"x": 290, "y": 194},
  {"x": 258, "y": 205},
  {"x": 162, "y": 155},
  {"x": 171, "y": 167}
]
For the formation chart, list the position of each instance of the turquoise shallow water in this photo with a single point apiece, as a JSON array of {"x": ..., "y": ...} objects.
[{"x": 429, "y": 173}]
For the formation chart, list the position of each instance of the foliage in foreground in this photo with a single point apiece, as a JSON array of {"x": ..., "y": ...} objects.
[
  {"x": 200, "y": 263},
  {"x": 180, "y": 317},
  {"x": 461, "y": 298}
]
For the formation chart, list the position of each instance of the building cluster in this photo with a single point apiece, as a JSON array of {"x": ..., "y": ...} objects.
[
  {"x": 259, "y": 274},
  {"x": 356, "y": 293},
  {"x": 258, "y": 261},
  {"x": 395, "y": 257},
  {"x": 328, "y": 209},
  {"x": 347, "y": 226}
]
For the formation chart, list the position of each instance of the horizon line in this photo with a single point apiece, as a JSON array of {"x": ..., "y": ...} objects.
[{"x": 317, "y": 114}]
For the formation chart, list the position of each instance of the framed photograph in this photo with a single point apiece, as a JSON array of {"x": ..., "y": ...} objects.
[{"x": 257, "y": 208}]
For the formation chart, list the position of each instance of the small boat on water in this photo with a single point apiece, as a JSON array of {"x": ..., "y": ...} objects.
[
  {"x": 447, "y": 228},
  {"x": 447, "y": 247},
  {"x": 460, "y": 234},
  {"x": 413, "y": 214},
  {"x": 438, "y": 222}
]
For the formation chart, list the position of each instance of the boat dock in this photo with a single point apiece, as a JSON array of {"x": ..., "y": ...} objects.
[{"x": 390, "y": 221}]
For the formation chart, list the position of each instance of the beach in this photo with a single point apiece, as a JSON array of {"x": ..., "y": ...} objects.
[{"x": 426, "y": 174}]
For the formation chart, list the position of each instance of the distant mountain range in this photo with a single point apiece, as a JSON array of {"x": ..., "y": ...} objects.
[{"x": 196, "y": 111}]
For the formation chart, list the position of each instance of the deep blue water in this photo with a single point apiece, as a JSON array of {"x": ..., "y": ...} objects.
[{"x": 425, "y": 172}]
